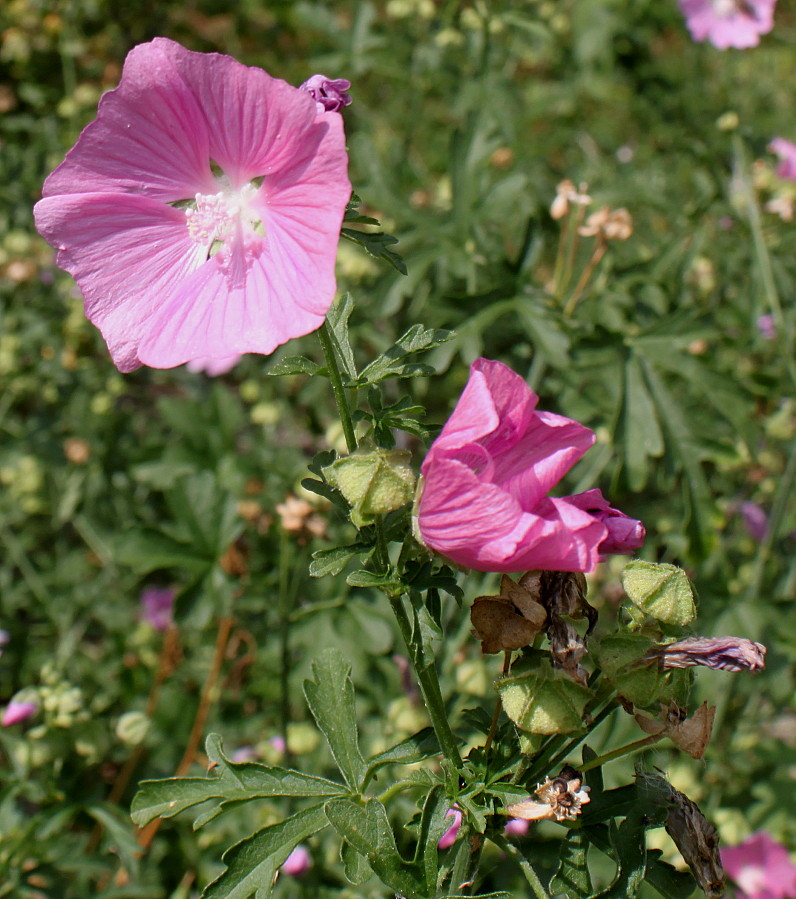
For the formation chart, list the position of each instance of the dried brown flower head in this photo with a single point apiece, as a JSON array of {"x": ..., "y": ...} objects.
[
  {"x": 297, "y": 516},
  {"x": 608, "y": 224},
  {"x": 561, "y": 798},
  {"x": 566, "y": 196}
]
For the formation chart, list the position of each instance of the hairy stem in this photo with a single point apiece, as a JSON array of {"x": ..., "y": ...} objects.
[
  {"x": 340, "y": 398},
  {"x": 429, "y": 685}
]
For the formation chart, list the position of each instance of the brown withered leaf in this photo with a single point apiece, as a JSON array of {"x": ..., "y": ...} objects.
[
  {"x": 692, "y": 833},
  {"x": 507, "y": 621},
  {"x": 692, "y": 735},
  {"x": 698, "y": 842}
]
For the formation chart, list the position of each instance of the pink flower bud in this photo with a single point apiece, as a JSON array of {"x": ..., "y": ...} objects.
[
  {"x": 16, "y": 712},
  {"x": 722, "y": 653},
  {"x": 298, "y": 862},
  {"x": 329, "y": 94},
  {"x": 157, "y": 604},
  {"x": 449, "y": 837},
  {"x": 755, "y": 520},
  {"x": 516, "y": 827}
]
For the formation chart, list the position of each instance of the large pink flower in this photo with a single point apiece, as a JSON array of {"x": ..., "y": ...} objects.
[
  {"x": 486, "y": 477},
  {"x": 761, "y": 868},
  {"x": 729, "y": 23},
  {"x": 200, "y": 212}
]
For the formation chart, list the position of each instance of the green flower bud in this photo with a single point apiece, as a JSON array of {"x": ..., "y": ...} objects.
[
  {"x": 302, "y": 738},
  {"x": 374, "y": 483},
  {"x": 661, "y": 591},
  {"x": 132, "y": 728},
  {"x": 543, "y": 701}
]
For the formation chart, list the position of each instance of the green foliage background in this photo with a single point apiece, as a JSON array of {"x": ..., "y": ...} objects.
[{"x": 465, "y": 117}]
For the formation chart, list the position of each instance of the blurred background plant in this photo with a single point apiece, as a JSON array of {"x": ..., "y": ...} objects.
[{"x": 677, "y": 349}]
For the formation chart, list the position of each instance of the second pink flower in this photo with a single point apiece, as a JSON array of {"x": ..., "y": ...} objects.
[{"x": 486, "y": 478}]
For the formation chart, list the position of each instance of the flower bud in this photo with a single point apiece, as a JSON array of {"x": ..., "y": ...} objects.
[
  {"x": 329, "y": 94},
  {"x": 17, "y": 712},
  {"x": 449, "y": 837},
  {"x": 132, "y": 728},
  {"x": 374, "y": 483},
  {"x": 721, "y": 653},
  {"x": 298, "y": 862}
]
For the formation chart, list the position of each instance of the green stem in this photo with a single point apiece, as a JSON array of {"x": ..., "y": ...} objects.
[
  {"x": 576, "y": 741},
  {"x": 627, "y": 749},
  {"x": 525, "y": 866},
  {"x": 327, "y": 343},
  {"x": 284, "y": 642},
  {"x": 429, "y": 685}
]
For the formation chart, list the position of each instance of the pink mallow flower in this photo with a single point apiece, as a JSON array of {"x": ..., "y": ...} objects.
[
  {"x": 297, "y": 863},
  {"x": 200, "y": 212},
  {"x": 449, "y": 837},
  {"x": 786, "y": 150},
  {"x": 17, "y": 712},
  {"x": 761, "y": 868},
  {"x": 484, "y": 503},
  {"x": 329, "y": 94},
  {"x": 157, "y": 606},
  {"x": 729, "y": 23}
]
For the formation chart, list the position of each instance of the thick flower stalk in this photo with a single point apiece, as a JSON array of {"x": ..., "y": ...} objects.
[
  {"x": 200, "y": 212},
  {"x": 484, "y": 502},
  {"x": 729, "y": 23}
]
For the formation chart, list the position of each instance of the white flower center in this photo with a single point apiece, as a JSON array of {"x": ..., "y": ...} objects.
[
  {"x": 726, "y": 8},
  {"x": 752, "y": 878},
  {"x": 212, "y": 218}
]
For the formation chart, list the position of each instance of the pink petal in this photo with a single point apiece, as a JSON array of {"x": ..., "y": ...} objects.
[
  {"x": 256, "y": 124},
  {"x": 151, "y": 135},
  {"x": 479, "y": 526},
  {"x": 245, "y": 301},
  {"x": 125, "y": 252}
]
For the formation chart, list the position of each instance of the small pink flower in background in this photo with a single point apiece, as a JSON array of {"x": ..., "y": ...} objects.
[
  {"x": 329, "y": 94},
  {"x": 755, "y": 520},
  {"x": 157, "y": 606},
  {"x": 449, "y": 837},
  {"x": 766, "y": 326},
  {"x": 5, "y": 638},
  {"x": 200, "y": 212},
  {"x": 484, "y": 503},
  {"x": 786, "y": 150},
  {"x": 213, "y": 367},
  {"x": 279, "y": 744},
  {"x": 244, "y": 754},
  {"x": 16, "y": 712},
  {"x": 517, "y": 827},
  {"x": 761, "y": 867},
  {"x": 297, "y": 863},
  {"x": 729, "y": 23}
]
